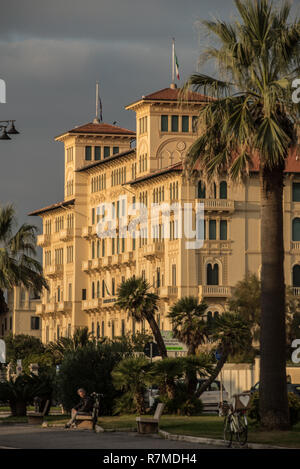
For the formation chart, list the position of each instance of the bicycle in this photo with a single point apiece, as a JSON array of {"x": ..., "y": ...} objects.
[{"x": 235, "y": 424}]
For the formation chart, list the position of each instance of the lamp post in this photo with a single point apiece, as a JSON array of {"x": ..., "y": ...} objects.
[{"x": 8, "y": 128}]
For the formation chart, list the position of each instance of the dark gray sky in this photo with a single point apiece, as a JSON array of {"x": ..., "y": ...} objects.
[{"x": 53, "y": 52}]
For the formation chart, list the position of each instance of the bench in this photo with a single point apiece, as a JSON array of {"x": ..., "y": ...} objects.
[
  {"x": 89, "y": 421},
  {"x": 150, "y": 425},
  {"x": 37, "y": 418}
]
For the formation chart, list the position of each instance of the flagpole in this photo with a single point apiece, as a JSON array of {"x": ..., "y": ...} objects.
[
  {"x": 173, "y": 60},
  {"x": 96, "y": 120}
]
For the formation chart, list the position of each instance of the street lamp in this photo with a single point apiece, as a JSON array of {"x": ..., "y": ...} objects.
[{"x": 8, "y": 128}]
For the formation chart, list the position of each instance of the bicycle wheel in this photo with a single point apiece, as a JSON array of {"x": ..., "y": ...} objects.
[
  {"x": 228, "y": 433},
  {"x": 242, "y": 434}
]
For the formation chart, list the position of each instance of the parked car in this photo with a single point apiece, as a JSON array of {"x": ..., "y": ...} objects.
[
  {"x": 211, "y": 398},
  {"x": 291, "y": 387}
]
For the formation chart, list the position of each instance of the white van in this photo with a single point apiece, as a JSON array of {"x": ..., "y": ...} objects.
[{"x": 211, "y": 398}]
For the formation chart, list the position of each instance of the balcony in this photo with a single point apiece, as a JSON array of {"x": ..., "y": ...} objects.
[
  {"x": 86, "y": 266},
  {"x": 91, "y": 305},
  {"x": 54, "y": 270},
  {"x": 295, "y": 246},
  {"x": 64, "y": 306},
  {"x": 154, "y": 250},
  {"x": 51, "y": 307},
  {"x": 86, "y": 232},
  {"x": 66, "y": 234},
  {"x": 109, "y": 301},
  {"x": 128, "y": 258},
  {"x": 218, "y": 291},
  {"x": 96, "y": 264},
  {"x": 296, "y": 291},
  {"x": 106, "y": 262},
  {"x": 116, "y": 260},
  {"x": 169, "y": 292},
  {"x": 217, "y": 205},
  {"x": 43, "y": 240},
  {"x": 40, "y": 308}
]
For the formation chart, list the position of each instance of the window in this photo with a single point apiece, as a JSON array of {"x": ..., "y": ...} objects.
[
  {"x": 84, "y": 293},
  {"x": 116, "y": 150},
  {"x": 88, "y": 153},
  {"x": 106, "y": 152},
  {"x": 201, "y": 190},
  {"x": 296, "y": 229},
  {"x": 223, "y": 190},
  {"x": 164, "y": 124},
  {"x": 212, "y": 274},
  {"x": 93, "y": 216},
  {"x": 174, "y": 125},
  {"x": 98, "y": 331},
  {"x": 113, "y": 286},
  {"x": 102, "y": 329},
  {"x": 112, "y": 329},
  {"x": 174, "y": 275},
  {"x": 212, "y": 229},
  {"x": 223, "y": 230},
  {"x": 296, "y": 276},
  {"x": 97, "y": 153},
  {"x": 70, "y": 292},
  {"x": 296, "y": 191},
  {"x": 185, "y": 123},
  {"x": 69, "y": 331},
  {"x": 123, "y": 327},
  {"x": 35, "y": 323}
]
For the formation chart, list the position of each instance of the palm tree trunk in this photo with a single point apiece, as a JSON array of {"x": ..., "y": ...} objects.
[
  {"x": 3, "y": 305},
  {"x": 157, "y": 335},
  {"x": 214, "y": 374},
  {"x": 273, "y": 390}
]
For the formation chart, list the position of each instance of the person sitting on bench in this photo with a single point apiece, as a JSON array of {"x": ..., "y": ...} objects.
[{"x": 84, "y": 407}]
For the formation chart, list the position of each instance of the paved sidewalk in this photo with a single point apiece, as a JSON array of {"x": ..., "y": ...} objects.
[{"x": 30, "y": 437}]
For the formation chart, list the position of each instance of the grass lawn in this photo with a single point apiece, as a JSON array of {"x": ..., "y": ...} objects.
[
  {"x": 208, "y": 426},
  {"x": 205, "y": 425}
]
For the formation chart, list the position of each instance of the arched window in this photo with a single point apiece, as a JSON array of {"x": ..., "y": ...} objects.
[
  {"x": 93, "y": 290},
  {"x": 212, "y": 274},
  {"x": 223, "y": 190},
  {"x": 98, "y": 289},
  {"x": 296, "y": 229},
  {"x": 215, "y": 190},
  {"x": 209, "y": 318},
  {"x": 216, "y": 314},
  {"x": 201, "y": 190},
  {"x": 98, "y": 330},
  {"x": 296, "y": 276}
]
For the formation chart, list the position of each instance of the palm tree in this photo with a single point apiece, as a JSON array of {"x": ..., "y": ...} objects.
[
  {"x": 17, "y": 266},
  {"x": 81, "y": 338},
  {"x": 189, "y": 326},
  {"x": 251, "y": 116},
  {"x": 130, "y": 375},
  {"x": 232, "y": 334},
  {"x": 165, "y": 373},
  {"x": 135, "y": 298}
]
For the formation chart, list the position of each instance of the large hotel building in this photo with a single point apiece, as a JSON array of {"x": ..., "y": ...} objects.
[{"x": 108, "y": 164}]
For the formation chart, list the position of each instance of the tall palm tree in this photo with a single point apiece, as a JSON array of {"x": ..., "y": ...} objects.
[
  {"x": 232, "y": 335},
  {"x": 188, "y": 324},
  {"x": 135, "y": 298},
  {"x": 251, "y": 115},
  {"x": 17, "y": 266}
]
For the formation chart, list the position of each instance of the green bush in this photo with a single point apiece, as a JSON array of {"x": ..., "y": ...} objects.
[
  {"x": 182, "y": 404},
  {"x": 90, "y": 368},
  {"x": 294, "y": 407}
]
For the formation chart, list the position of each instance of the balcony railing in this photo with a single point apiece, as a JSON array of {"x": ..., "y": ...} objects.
[
  {"x": 296, "y": 291},
  {"x": 96, "y": 264},
  {"x": 66, "y": 234},
  {"x": 40, "y": 308},
  {"x": 86, "y": 266},
  {"x": 43, "y": 240},
  {"x": 86, "y": 232},
  {"x": 51, "y": 307},
  {"x": 214, "y": 291},
  {"x": 295, "y": 245},
  {"x": 91, "y": 305},
  {"x": 168, "y": 292},
  {"x": 55, "y": 270},
  {"x": 153, "y": 250},
  {"x": 217, "y": 205},
  {"x": 64, "y": 306}
]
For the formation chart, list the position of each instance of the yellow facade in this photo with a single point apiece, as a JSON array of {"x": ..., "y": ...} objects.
[
  {"x": 84, "y": 271},
  {"x": 21, "y": 317}
]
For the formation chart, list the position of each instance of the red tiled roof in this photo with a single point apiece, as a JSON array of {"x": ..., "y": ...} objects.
[
  {"x": 52, "y": 207},
  {"x": 172, "y": 94},
  {"x": 101, "y": 128}
]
